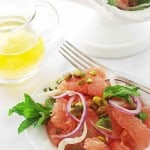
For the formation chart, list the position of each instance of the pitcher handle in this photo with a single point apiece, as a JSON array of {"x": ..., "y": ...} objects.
[{"x": 48, "y": 25}]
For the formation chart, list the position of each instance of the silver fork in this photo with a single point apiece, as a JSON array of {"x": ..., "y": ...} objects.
[{"x": 82, "y": 62}]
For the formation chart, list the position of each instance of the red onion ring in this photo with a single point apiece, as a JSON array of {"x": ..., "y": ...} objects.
[
  {"x": 122, "y": 109},
  {"x": 72, "y": 93}
]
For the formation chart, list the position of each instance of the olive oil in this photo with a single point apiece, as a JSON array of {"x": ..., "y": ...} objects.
[{"x": 21, "y": 49}]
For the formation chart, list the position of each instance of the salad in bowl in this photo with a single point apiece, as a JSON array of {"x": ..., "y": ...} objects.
[
  {"x": 83, "y": 110},
  {"x": 128, "y": 10},
  {"x": 131, "y": 5}
]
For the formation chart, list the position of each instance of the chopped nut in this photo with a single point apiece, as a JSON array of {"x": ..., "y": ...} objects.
[
  {"x": 50, "y": 89},
  {"x": 78, "y": 74},
  {"x": 93, "y": 72},
  {"x": 83, "y": 74},
  {"x": 79, "y": 104},
  {"x": 81, "y": 82},
  {"x": 89, "y": 80},
  {"x": 47, "y": 89},
  {"x": 59, "y": 80},
  {"x": 77, "y": 109},
  {"x": 101, "y": 110},
  {"x": 67, "y": 76},
  {"x": 93, "y": 106},
  {"x": 101, "y": 139},
  {"x": 73, "y": 104},
  {"x": 104, "y": 103},
  {"x": 97, "y": 100}
]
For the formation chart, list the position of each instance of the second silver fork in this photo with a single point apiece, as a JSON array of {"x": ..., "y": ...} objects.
[{"x": 82, "y": 62}]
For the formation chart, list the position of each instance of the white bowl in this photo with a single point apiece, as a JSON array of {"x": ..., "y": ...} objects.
[
  {"x": 110, "y": 32},
  {"x": 129, "y": 16}
]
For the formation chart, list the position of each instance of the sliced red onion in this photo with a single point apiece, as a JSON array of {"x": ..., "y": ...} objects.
[
  {"x": 68, "y": 108},
  {"x": 134, "y": 112},
  {"x": 72, "y": 93}
]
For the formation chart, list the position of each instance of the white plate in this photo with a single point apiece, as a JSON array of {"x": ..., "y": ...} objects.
[{"x": 38, "y": 137}]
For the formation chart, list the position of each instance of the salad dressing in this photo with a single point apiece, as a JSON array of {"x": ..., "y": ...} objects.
[{"x": 21, "y": 49}]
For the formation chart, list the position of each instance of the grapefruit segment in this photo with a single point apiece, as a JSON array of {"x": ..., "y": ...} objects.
[
  {"x": 118, "y": 145},
  {"x": 127, "y": 139},
  {"x": 95, "y": 87},
  {"x": 92, "y": 117},
  {"x": 61, "y": 122},
  {"x": 94, "y": 144},
  {"x": 134, "y": 127},
  {"x": 60, "y": 118}
]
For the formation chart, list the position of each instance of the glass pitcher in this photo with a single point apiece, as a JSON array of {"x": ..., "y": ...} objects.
[{"x": 21, "y": 40}]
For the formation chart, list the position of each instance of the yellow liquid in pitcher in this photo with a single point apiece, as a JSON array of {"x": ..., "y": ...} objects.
[{"x": 20, "y": 51}]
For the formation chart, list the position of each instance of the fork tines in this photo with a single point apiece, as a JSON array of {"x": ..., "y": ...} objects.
[
  {"x": 76, "y": 57},
  {"x": 82, "y": 62}
]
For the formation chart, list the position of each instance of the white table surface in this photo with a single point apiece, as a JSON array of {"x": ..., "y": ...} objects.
[{"x": 54, "y": 64}]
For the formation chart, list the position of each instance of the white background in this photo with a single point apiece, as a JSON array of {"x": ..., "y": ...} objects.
[{"x": 53, "y": 65}]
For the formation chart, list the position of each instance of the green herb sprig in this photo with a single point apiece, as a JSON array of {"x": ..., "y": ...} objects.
[
  {"x": 142, "y": 1},
  {"x": 34, "y": 113},
  {"x": 121, "y": 91},
  {"x": 104, "y": 123},
  {"x": 143, "y": 116}
]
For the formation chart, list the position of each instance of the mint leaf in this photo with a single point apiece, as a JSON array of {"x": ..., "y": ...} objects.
[
  {"x": 143, "y": 116},
  {"x": 34, "y": 113},
  {"x": 104, "y": 123},
  {"x": 43, "y": 108},
  {"x": 30, "y": 113},
  {"x": 25, "y": 124},
  {"x": 29, "y": 102},
  {"x": 139, "y": 2},
  {"x": 120, "y": 91},
  {"x": 44, "y": 117},
  {"x": 19, "y": 109}
]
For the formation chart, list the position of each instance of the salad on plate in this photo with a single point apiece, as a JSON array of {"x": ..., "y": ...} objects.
[
  {"x": 130, "y": 4},
  {"x": 83, "y": 110}
]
